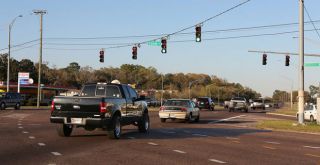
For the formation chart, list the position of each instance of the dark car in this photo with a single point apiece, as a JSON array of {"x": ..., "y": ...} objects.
[
  {"x": 10, "y": 100},
  {"x": 205, "y": 103},
  {"x": 152, "y": 102}
]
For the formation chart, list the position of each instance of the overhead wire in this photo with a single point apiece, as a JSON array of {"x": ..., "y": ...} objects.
[{"x": 314, "y": 26}]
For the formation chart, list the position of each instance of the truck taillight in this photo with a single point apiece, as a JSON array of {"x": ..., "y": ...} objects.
[
  {"x": 162, "y": 108},
  {"x": 103, "y": 107},
  {"x": 52, "y": 106}
]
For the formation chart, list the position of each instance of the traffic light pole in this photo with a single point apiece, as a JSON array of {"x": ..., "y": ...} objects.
[{"x": 301, "y": 64}]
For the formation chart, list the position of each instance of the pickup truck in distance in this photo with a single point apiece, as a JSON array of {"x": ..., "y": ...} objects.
[{"x": 107, "y": 106}]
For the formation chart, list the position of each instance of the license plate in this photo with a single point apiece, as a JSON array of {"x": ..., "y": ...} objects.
[
  {"x": 76, "y": 120},
  {"x": 172, "y": 115}
]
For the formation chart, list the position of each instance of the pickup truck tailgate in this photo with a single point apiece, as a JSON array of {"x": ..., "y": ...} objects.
[{"x": 76, "y": 106}]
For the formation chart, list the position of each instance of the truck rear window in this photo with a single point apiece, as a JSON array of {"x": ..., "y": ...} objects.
[{"x": 101, "y": 90}]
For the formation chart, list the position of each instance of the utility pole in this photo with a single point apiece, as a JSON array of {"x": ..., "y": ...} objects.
[
  {"x": 41, "y": 13},
  {"x": 161, "y": 100},
  {"x": 301, "y": 64},
  {"x": 9, "y": 53}
]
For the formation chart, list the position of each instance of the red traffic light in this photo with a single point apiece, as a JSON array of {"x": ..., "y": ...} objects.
[
  {"x": 134, "y": 52},
  {"x": 101, "y": 56}
]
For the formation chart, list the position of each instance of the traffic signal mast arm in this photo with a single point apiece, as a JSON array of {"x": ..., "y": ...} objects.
[{"x": 282, "y": 53}]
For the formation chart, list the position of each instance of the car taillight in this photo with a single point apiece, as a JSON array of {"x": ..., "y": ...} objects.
[
  {"x": 183, "y": 109},
  {"x": 162, "y": 108},
  {"x": 103, "y": 107},
  {"x": 52, "y": 106}
]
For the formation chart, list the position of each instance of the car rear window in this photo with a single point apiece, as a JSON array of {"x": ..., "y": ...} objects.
[
  {"x": 183, "y": 103},
  {"x": 203, "y": 99}
]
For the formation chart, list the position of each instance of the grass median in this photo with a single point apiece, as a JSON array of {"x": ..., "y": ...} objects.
[{"x": 288, "y": 125}]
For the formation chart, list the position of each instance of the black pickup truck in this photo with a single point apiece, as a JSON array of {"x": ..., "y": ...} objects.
[{"x": 107, "y": 106}]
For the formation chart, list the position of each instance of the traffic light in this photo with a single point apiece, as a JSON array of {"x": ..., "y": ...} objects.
[
  {"x": 198, "y": 33},
  {"x": 164, "y": 45},
  {"x": 134, "y": 52},
  {"x": 264, "y": 59},
  {"x": 101, "y": 56},
  {"x": 287, "y": 60}
]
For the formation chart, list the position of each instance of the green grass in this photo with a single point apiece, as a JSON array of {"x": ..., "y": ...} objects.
[
  {"x": 286, "y": 110},
  {"x": 289, "y": 125}
]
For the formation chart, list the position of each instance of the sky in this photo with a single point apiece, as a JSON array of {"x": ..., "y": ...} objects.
[{"x": 68, "y": 25}]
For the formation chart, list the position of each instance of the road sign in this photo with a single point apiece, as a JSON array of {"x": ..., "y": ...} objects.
[
  {"x": 154, "y": 43},
  {"x": 23, "y": 75},
  {"x": 315, "y": 64}
]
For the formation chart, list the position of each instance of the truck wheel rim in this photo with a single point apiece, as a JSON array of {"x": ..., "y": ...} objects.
[
  {"x": 117, "y": 128},
  {"x": 146, "y": 123}
]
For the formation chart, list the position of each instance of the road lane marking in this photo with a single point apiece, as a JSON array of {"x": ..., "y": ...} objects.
[
  {"x": 232, "y": 138},
  {"x": 32, "y": 137},
  {"x": 230, "y": 118},
  {"x": 19, "y": 124},
  {"x": 186, "y": 131},
  {"x": 154, "y": 144},
  {"x": 25, "y": 132},
  {"x": 317, "y": 156},
  {"x": 217, "y": 161},
  {"x": 269, "y": 142},
  {"x": 34, "y": 124},
  {"x": 313, "y": 147},
  {"x": 267, "y": 147},
  {"x": 179, "y": 151},
  {"x": 56, "y": 153},
  {"x": 202, "y": 135},
  {"x": 20, "y": 127},
  {"x": 168, "y": 132},
  {"x": 41, "y": 144}
]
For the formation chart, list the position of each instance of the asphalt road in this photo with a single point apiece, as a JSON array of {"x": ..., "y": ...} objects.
[{"x": 27, "y": 137}]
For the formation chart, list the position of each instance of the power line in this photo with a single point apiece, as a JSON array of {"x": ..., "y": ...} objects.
[{"x": 311, "y": 20}]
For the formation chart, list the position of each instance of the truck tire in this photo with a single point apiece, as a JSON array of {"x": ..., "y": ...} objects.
[
  {"x": 115, "y": 131},
  {"x": 64, "y": 130},
  {"x": 17, "y": 106},
  {"x": 189, "y": 119},
  {"x": 312, "y": 118},
  {"x": 197, "y": 119},
  {"x": 144, "y": 123},
  {"x": 2, "y": 106}
]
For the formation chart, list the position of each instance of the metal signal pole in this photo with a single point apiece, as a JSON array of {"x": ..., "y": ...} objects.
[
  {"x": 41, "y": 13},
  {"x": 301, "y": 64}
]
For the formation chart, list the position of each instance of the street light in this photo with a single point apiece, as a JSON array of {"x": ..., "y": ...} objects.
[{"x": 9, "y": 46}]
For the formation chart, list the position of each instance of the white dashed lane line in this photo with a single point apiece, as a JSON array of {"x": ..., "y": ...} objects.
[
  {"x": 217, "y": 161},
  {"x": 227, "y": 119},
  {"x": 32, "y": 137},
  {"x": 179, "y": 151},
  {"x": 313, "y": 147},
  {"x": 268, "y": 147},
  {"x": 269, "y": 142},
  {"x": 153, "y": 144},
  {"x": 41, "y": 144},
  {"x": 232, "y": 138},
  {"x": 202, "y": 135},
  {"x": 19, "y": 124},
  {"x": 56, "y": 153},
  {"x": 20, "y": 127},
  {"x": 25, "y": 132}
]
